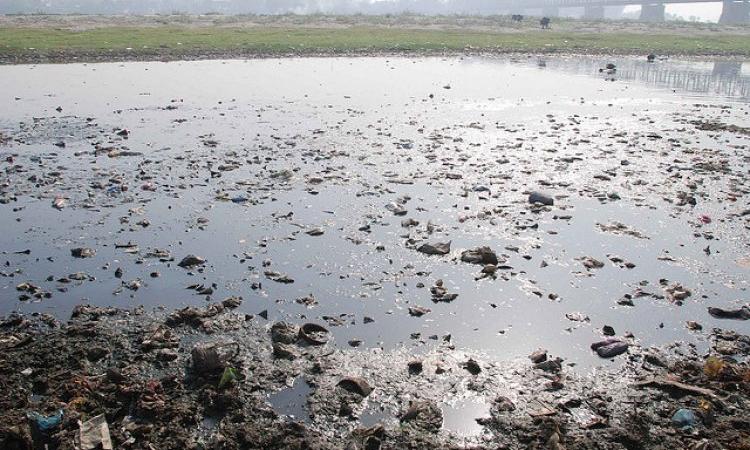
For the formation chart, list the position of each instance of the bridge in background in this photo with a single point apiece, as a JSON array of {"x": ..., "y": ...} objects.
[{"x": 733, "y": 12}]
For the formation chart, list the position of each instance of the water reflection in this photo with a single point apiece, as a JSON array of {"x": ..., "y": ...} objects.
[
  {"x": 292, "y": 401},
  {"x": 723, "y": 78}
]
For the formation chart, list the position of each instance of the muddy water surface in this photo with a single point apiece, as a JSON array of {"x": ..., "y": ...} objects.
[{"x": 246, "y": 163}]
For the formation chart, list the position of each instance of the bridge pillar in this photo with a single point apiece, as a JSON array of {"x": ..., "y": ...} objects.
[
  {"x": 551, "y": 11},
  {"x": 593, "y": 12},
  {"x": 734, "y": 12},
  {"x": 651, "y": 12}
]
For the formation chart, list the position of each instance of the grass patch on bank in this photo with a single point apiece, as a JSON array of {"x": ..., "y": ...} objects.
[{"x": 281, "y": 40}]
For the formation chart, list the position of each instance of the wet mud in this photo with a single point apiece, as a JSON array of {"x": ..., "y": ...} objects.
[{"x": 142, "y": 371}]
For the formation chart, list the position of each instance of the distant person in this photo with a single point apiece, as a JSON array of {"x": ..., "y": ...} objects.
[{"x": 544, "y": 23}]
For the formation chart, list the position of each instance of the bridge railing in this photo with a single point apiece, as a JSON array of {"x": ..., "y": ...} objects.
[{"x": 521, "y": 4}]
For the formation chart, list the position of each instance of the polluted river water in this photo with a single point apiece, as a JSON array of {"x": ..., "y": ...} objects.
[{"x": 306, "y": 187}]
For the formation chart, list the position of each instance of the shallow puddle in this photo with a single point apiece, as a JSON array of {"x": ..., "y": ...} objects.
[
  {"x": 461, "y": 417},
  {"x": 292, "y": 401}
]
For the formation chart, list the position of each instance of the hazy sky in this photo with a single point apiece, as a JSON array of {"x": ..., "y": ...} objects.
[{"x": 706, "y": 11}]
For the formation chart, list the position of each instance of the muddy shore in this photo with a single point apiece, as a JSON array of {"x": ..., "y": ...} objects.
[
  {"x": 71, "y": 56},
  {"x": 136, "y": 368}
]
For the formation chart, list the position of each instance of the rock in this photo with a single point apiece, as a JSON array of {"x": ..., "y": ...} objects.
[
  {"x": 437, "y": 248},
  {"x": 538, "y": 356},
  {"x": 232, "y": 302},
  {"x": 308, "y": 300},
  {"x": 609, "y": 348},
  {"x": 550, "y": 365},
  {"x": 278, "y": 277},
  {"x": 608, "y": 330},
  {"x": 396, "y": 209},
  {"x": 742, "y": 313},
  {"x": 677, "y": 293},
  {"x": 440, "y": 293},
  {"x": 191, "y": 261},
  {"x": 577, "y": 317},
  {"x": 284, "y": 333},
  {"x": 115, "y": 376},
  {"x": 195, "y": 317},
  {"x": 59, "y": 203},
  {"x": 283, "y": 351},
  {"x": 654, "y": 359},
  {"x": 356, "y": 385},
  {"x": 503, "y": 404},
  {"x": 489, "y": 269},
  {"x": 480, "y": 255},
  {"x": 415, "y": 367},
  {"x": 166, "y": 354},
  {"x": 423, "y": 414},
  {"x": 537, "y": 197},
  {"x": 82, "y": 252},
  {"x": 418, "y": 311},
  {"x": 315, "y": 232},
  {"x": 591, "y": 263},
  {"x": 472, "y": 367},
  {"x": 96, "y": 353}
]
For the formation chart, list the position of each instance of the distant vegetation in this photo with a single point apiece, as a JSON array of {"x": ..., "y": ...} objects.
[{"x": 170, "y": 41}]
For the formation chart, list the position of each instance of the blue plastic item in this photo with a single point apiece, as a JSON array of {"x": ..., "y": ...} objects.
[
  {"x": 684, "y": 419},
  {"x": 45, "y": 423}
]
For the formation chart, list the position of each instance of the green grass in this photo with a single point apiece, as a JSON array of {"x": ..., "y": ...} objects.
[{"x": 278, "y": 40}]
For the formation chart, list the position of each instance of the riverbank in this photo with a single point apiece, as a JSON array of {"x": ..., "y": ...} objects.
[
  {"x": 59, "y": 39},
  {"x": 141, "y": 373}
]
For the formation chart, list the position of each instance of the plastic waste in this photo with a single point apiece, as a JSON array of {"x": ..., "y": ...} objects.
[
  {"x": 95, "y": 434},
  {"x": 684, "y": 419},
  {"x": 713, "y": 367},
  {"x": 212, "y": 357},
  {"x": 45, "y": 423},
  {"x": 229, "y": 375},
  {"x": 538, "y": 197}
]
